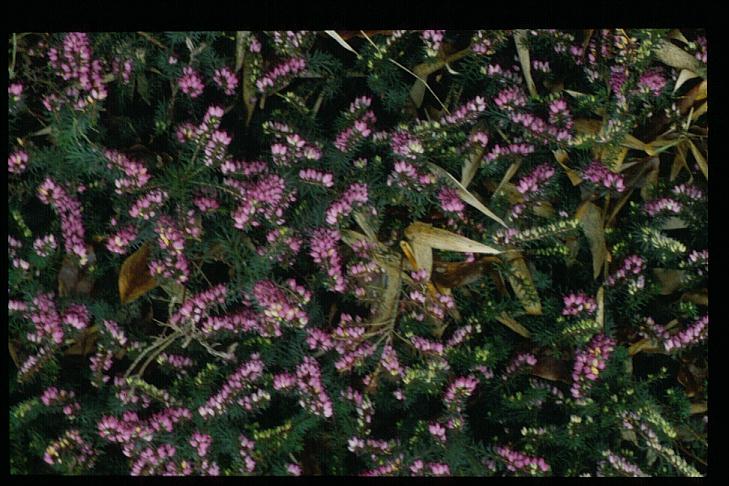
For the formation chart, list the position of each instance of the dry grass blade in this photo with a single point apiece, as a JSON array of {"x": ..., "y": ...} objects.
[
  {"x": 703, "y": 164},
  {"x": 592, "y": 225},
  {"x": 134, "y": 277},
  {"x": 523, "y": 53},
  {"x": 601, "y": 307},
  {"x": 521, "y": 281},
  {"x": 364, "y": 221},
  {"x": 387, "y": 310},
  {"x": 514, "y": 325},
  {"x": 513, "y": 169},
  {"x": 423, "y": 255},
  {"x": 467, "y": 197},
  {"x": 561, "y": 157},
  {"x": 441, "y": 239},
  {"x": 333, "y": 34}
]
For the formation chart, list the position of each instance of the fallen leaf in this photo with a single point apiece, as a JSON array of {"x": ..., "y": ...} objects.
[
  {"x": 445, "y": 240},
  {"x": 574, "y": 176},
  {"x": 684, "y": 76},
  {"x": 674, "y": 223},
  {"x": 700, "y": 297},
  {"x": 364, "y": 220},
  {"x": 513, "y": 168},
  {"x": 74, "y": 279},
  {"x": 651, "y": 179},
  {"x": 592, "y": 225},
  {"x": 13, "y": 349},
  {"x": 134, "y": 277},
  {"x": 451, "y": 275},
  {"x": 669, "y": 279},
  {"x": 697, "y": 408},
  {"x": 600, "y": 318},
  {"x": 644, "y": 345},
  {"x": 703, "y": 164},
  {"x": 679, "y": 161},
  {"x": 467, "y": 197},
  {"x": 676, "y": 57},
  {"x": 520, "y": 36},
  {"x": 521, "y": 281},
  {"x": 512, "y": 324},
  {"x": 551, "y": 369},
  {"x": 423, "y": 255},
  {"x": 85, "y": 344}
]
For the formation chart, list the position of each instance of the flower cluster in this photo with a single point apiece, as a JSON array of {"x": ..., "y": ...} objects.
[
  {"x": 280, "y": 74},
  {"x": 17, "y": 162},
  {"x": 323, "y": 244},
  {"x": 355, "y": 196},
  {"x": 226, "y": 80},
  {"x": 690, "y": 336},
  {"x": 529, "y": 186},
  {"x": 190, "y": 82},
  {"x": 74, "y": 63},
  {"x": 282, "y": 305},
  {"x": 146, "y": 206},
  {"x": 171, "y": 241},
  {"x": 433, "y": 40},
  {"x": 70, "y": 451},
  {"x": 519, "y": 462},
  {"x": 53, "y": 396},
  {"x": 600, "y": 175},
  {"x": 630, "y": 270},
  {"x": 362, "y": 122},
  {"x": 45, "y": 246},
  {"x": 317, "y": 177},
  {"x": 119, "y": 242},
  {"x": 69, "y": 210},
  {"x": 589, "y": 362},
  {"x": 576, "y": 304},
  {"x": 308, "y": 386},
  {"x": 262, "y": 201},
  {"x": 664, "y": 204},
  {"x": 239, "y": 382},
  {"x": 407, "y": 176},
  {"x": 135, "y": 172}
]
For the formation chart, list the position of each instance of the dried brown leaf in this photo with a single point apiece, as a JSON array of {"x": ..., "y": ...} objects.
[
  {"x": 574, "y": 176},
  {"x": 551, "y": 369},
  {"x": 13, "y": 349},
  {"x": 134, "y": 277},
  {"x": 676, "y": 57},
  {"x": 456, "y": 274},
  {"x": 520, "y": 36},
  {"x": 684, "y": 76},
  {"x": 441, "y": 239},
  {"x": 521, "y": 281},
  {"x": 703, "y": 164},
  {"x": 467, "y": 197},
  {"x": 592, "y": 225},
  {"x": 669, "y": 279},
  {"x": 514, "y": 325},
  {"x": 85, "y": 344},
  {"x": 601, "y": 307},
  {"x": 699, "y": 297},
  {"x": 74, "y": 279}
]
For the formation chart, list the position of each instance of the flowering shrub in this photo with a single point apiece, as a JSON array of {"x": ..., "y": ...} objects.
[{"x": 259, "y": 253}]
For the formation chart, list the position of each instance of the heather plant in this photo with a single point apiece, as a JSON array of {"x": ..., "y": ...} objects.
[{"x": 427, "y": 253}]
